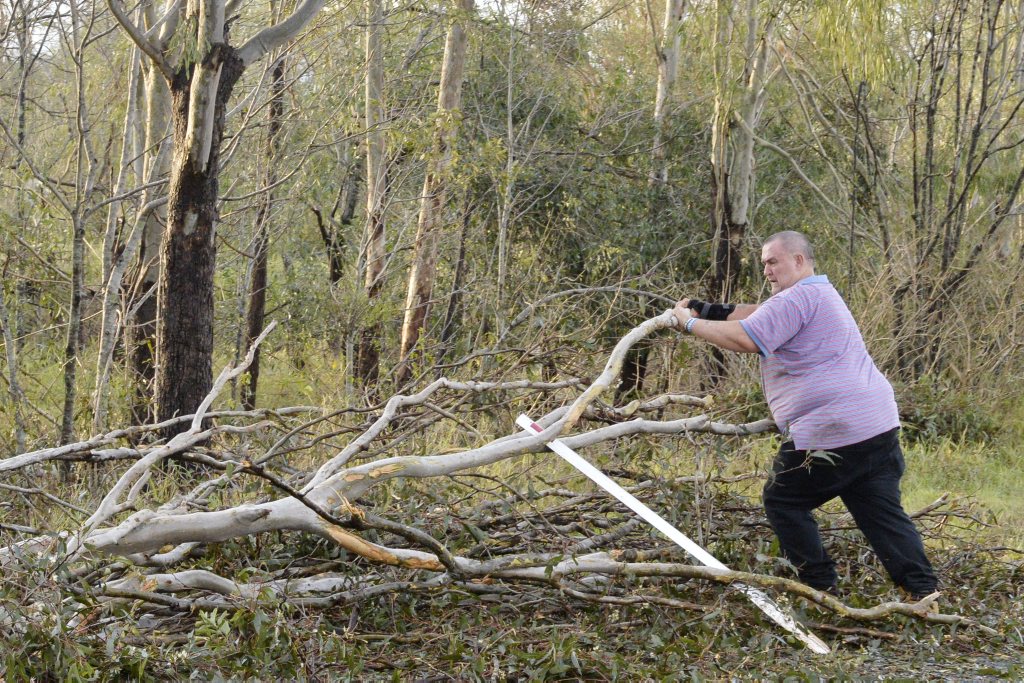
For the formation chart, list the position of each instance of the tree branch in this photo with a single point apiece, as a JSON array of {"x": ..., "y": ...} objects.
[
  {"x": 280, "y": 33},
  {"x": 140, "y": 38}
]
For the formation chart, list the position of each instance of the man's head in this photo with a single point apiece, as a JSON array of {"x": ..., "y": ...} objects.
[{"x": 788, "y": 257}]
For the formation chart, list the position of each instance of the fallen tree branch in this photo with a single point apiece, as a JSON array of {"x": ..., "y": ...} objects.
[{"x": 552, "y": 538}]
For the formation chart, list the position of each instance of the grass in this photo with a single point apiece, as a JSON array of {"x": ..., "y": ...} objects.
[{"x": 988, "y": 473}]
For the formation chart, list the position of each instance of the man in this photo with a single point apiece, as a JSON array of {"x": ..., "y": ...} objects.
[{"x": 835, "y": 409}]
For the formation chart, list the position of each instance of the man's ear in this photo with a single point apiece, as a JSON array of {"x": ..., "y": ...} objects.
[{"x": 799, "y": 259}]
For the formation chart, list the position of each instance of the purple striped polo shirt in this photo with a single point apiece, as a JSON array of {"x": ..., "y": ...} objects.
[{"x": 822, "y": 387}]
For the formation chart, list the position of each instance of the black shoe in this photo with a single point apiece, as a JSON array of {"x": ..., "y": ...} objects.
[
  {"x": 917, "y": 596},
  {"x": 929, "y": 608},
  {"x": 832, "y": 590}
]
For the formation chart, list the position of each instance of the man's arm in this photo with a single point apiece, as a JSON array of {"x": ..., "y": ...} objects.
[
  {"x": 711, "y": 311},
  {"x": 726, "y": 334},
  {"x": 743, "y": 311}
]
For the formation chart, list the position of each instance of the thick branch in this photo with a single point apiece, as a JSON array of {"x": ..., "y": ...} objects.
[
  {"x": 280, "y": 33},
  {"x": 139, "y": 37}
]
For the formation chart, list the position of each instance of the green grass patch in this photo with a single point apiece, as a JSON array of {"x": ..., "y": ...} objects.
[{"x": 988, "y": 473}]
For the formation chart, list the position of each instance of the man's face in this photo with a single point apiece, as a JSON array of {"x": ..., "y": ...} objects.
[{"x": 782, "y": 268}]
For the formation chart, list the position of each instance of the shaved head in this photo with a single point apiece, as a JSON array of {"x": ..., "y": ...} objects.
[
  {"x": 788, "y": 258},
  {"x": 794, "y": 243}
]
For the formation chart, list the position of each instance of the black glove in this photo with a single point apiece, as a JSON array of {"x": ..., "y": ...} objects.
[{"x": 709, "y": 311}]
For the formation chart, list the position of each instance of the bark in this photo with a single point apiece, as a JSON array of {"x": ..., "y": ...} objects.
[
  {"x": 14, "y": 390},
  {"x": 422, "y": 272},
  {"x": 368, "y": 355},
  {"x": 254, "y": 318},
  {"x": 143, "y": 310},
  {"x": 142, "y": 335},
  {"x": 732, "y": 154},
  {"x": 184, "y": 350},
  {"x": 668, "y": 68},
  {"x": 732, "y": 147},
  {"x": 73, "y": 339},
  {"x": 453, "y": 316}
]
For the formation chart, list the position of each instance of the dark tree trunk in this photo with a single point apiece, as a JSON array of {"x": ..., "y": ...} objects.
[
  {"x": 332, "y": 228},
  {"x": 256, "y": 311},
  {"x": 634, "y": 372},
  {"x": 74, "y": 335},
  {"x": 143, "y": 341},
  {"x": 728, "y": 256},
  {"x": 369, "y": 345},
  {"x": 367, "y": 370},
  {"x": 728, "y": 265},
  {"x": 453, "y": 316},
  {"x": 188, "y": 254}
]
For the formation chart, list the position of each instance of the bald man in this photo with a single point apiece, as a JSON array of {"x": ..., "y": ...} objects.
[{"x": 836, "y": 412}]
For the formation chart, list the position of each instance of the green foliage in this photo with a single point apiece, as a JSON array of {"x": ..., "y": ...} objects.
[
  {"x": 258, "y": 637},
  {"x": 44, "y": 631},
  {"x": 185, "y": 45},
  {"x": 932, "y": 408}
]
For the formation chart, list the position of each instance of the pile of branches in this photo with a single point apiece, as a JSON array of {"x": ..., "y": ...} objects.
[{"x": 372, "y": 508}]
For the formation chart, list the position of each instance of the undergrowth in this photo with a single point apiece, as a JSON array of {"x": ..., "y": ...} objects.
[
  {"x": 532, "y": 632},
  {"x": 522, "y": 632}
]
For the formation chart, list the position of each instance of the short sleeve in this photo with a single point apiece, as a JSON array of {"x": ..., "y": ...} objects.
[{"x": 775, "y": 322}]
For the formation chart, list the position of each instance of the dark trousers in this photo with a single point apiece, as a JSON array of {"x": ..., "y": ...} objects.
[{"x": 866, "y": 476}]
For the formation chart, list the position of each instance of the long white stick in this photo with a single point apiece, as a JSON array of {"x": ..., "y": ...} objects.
[{"x": 755, "y": 595}]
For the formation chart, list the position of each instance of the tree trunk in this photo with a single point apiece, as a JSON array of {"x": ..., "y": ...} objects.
[
  {"x": 84, "y": 181},
  {"x": 184, "y": 350},
  {"x": 428, "y": 230},
  {"x": 331, "y": 226},
  {"x": 258, "y": 285},
  {"x": 13, "y": 383},
  {"x": 732, "y": 148},
  {"x": 960, "y": 71},
  {"x": 143, "y": 309},
  {"x": 368, "y": 355},
  {"x": 453, "y": 316},
  {"x": 201, "y": 68},
  {"x": 668, "y": 67},
  {"x": 732, "y": 156},
  {"x": 142, "y": 336},
  {"x": 114, "y": 264}
]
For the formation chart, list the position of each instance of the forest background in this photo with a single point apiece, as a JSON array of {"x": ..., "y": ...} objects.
[{"x": 449, "y": 213}]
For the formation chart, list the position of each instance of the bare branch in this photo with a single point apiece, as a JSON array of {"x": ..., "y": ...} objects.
[
  {"x": 140, "y": 38},
  {"x": 279, "y": 34}
]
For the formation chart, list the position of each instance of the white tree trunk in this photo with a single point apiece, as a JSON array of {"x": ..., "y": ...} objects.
[
  {"x": 668, "y": 68},
  {"x": 431, "y": 219},
  {"x": 732, "y": 146}
]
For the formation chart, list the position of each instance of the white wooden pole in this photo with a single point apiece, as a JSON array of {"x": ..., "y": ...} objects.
[{"x": 781, "y": 617}]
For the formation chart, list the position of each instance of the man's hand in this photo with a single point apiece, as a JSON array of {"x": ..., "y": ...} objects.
[
  {"x": 725, "y": 334},
  {"x": 682, "y": 313}
]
